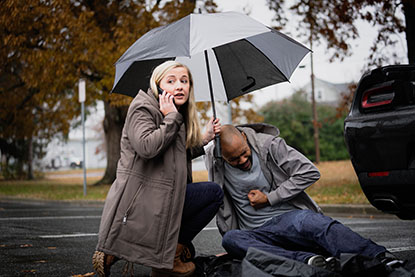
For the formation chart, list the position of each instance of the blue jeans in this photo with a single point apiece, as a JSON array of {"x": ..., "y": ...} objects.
[
  {"x": 201, "y": 203},
  {"x": 299, "y": 235}
]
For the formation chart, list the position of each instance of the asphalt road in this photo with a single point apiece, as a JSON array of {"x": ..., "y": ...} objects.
[{"x": 58, "y": 239}]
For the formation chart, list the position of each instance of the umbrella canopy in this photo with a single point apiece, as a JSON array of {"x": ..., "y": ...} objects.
[{"x": 229, "y": 54}]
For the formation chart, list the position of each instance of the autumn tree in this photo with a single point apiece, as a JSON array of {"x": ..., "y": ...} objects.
[
  {"x": 48, "y": 46},
  {"x": 38, "y": 74},
  {"x": 335, "y": 23}
]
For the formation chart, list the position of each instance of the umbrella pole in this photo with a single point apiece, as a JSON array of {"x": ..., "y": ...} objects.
[{"x": 212, "y": 98}]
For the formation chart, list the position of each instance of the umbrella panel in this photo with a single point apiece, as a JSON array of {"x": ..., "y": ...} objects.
[
  {"x": 137, "y": 77},
  {"x": 245, "y": 69}
]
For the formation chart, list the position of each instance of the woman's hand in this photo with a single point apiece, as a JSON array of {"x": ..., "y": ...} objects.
[
  {"x": 166, "y": 103},
  {"x": 212, "y": 129}
]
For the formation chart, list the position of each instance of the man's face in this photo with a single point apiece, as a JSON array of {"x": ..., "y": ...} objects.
[{"x": 238, "y": 154}]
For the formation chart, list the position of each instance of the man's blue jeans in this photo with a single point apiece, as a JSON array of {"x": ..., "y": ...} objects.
[
  {"x": 299, "y": 235},
  {"x": 201, "y": 203}
]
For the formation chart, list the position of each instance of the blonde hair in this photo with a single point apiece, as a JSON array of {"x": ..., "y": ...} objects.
[{"x": 193, "y": 134}]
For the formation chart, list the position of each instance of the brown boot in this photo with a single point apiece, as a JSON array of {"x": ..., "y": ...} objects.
[
  {"x": 102, "y": 263},
  {"x": 180, "y": 268}
]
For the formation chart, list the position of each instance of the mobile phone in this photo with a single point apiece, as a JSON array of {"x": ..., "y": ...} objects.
[{"x": 161, "y": 91}]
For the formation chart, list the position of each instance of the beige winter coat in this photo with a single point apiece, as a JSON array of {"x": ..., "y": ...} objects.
[{"x": 142, "y": 212}]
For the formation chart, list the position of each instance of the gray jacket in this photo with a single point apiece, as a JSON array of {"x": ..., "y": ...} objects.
[
  {"x": 142, "y": 213},
  {"x": 287, "y": 170}
]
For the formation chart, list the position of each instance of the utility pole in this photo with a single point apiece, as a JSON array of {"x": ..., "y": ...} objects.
[
  {"x": 313, "y": 100},
  {"x": 82, "y": 97}
]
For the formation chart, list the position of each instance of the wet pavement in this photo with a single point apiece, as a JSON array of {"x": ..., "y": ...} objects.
[{"x": 40, "y": 238}]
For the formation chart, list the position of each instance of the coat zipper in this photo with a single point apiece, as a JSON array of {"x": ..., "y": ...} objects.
[{"x": 124, "y": 219}]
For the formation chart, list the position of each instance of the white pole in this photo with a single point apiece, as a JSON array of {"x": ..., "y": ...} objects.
[{"x": 82, "y": 97}]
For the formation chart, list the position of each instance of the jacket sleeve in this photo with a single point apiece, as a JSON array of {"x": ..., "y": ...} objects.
[
  {"x": 301, "y": 172},
  {"x": 209, "y": 160},
  {"x": 148, "y": 139},
  {"x": 197, "y": 151}
]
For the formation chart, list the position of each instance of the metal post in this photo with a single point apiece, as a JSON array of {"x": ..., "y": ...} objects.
[
  {"x": 313, "y": 104},
  {"x": 82, "y": 100}
]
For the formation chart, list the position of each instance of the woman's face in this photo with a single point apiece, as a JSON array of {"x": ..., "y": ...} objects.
[{"x": 176, "y": 82}]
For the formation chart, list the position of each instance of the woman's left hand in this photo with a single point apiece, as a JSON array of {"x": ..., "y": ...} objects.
[{"x": 212, "y": 129}]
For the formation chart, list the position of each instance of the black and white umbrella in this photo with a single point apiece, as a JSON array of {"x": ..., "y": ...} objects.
[{"x": 229, "y": 54}]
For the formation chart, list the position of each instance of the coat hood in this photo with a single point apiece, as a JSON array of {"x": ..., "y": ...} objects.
[{"x": 262, "y": 128}]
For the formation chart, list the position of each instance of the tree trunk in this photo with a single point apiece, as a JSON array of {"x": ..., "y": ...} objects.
[
  {"x": 409, "y": 11},
  {"x": 113, "y": 124},
  {"x": 30, "y": 159}
]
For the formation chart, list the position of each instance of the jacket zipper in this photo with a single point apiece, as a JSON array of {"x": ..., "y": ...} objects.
[{"x": 124, "y": 219}]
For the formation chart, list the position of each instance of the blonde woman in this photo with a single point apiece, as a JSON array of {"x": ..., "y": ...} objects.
[{"x": 153, "y": 210}]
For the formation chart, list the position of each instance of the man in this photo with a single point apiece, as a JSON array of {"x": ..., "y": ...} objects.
[{"x": 265, "y": 205}]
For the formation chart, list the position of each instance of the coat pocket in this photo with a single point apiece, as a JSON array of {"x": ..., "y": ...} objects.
[{"x": 146, "y": 216}]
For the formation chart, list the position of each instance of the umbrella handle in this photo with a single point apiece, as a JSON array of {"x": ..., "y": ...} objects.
[{"x": 218, "y": 150}]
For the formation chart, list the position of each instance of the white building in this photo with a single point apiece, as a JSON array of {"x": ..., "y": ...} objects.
[
  {"x": 61, "y": 155},
  {"x": 326, "y": 92}
]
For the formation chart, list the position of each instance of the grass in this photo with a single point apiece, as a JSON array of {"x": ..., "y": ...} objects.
[{"x": 338, "y": 185}]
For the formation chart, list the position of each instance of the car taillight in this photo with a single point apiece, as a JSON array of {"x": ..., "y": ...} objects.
[
  {"x": 376, "y": 97},
  {"x": 378, "y": 174}
]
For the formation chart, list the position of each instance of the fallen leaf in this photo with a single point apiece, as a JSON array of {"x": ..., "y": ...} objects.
[
  {"x": 41, "y": 261},
  {"x": 2, "y": 245},
  {"x": 29, "y": 270},
  {"x": 26, "y": 245},
  {"x": 84, "y": 275}
]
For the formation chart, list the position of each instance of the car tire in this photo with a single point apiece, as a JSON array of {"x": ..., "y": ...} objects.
[{"x": 405, "y": 216}]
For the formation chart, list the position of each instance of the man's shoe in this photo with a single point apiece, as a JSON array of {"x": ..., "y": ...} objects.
[
  {"x": 318, "y": 261},
  {"x": 102, "y": 263},
  {"x": 331, "y": 263},
  {"x": 390, "y": 260}
]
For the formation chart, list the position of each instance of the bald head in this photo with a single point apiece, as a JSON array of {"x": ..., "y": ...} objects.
[
  {"x": 235, "y": 148},
  {"x": 229, "y": 135}
]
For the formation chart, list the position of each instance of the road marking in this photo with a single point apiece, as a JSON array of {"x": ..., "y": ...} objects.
[
  {"x": 49, "y": 217},
  {"x": 401, "y": 249},
  {"x": 68, "y": 236},
  {"x": 83, "y": 209},
  {"x": 94, "y": 234}
]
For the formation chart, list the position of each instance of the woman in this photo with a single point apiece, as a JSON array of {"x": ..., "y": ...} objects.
[{"x": 142, "y": 219}]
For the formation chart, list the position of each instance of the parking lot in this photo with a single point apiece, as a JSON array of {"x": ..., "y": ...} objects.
[{"x": 57, "y": 239}]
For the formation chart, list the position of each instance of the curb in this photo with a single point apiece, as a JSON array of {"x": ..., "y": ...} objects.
[
  {"x": 96, "y": 203},
  {"x": 342, "y": 210},
  {"x": 353, "y": 210}
]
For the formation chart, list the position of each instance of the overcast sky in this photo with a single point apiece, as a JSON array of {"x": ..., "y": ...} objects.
[{"x": 337, "y": 72}]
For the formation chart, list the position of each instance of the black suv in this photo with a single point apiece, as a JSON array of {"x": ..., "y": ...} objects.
[{"x": 379, "y": 133}]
